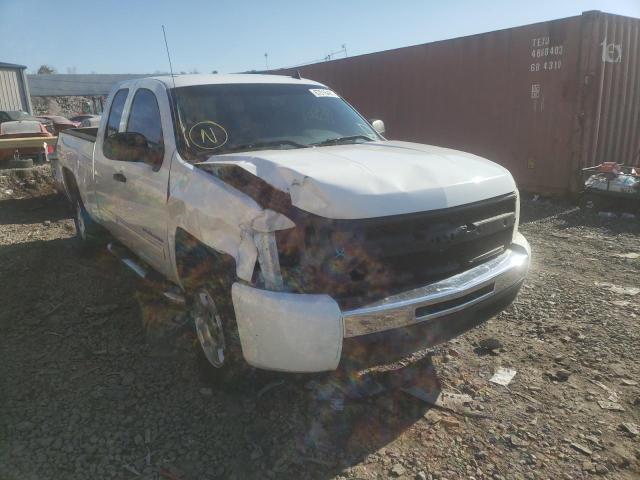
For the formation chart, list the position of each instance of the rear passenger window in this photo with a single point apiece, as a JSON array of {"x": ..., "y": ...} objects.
[
  {"x": 145, "y": 119},
  {"x": 115, "y": 114}
]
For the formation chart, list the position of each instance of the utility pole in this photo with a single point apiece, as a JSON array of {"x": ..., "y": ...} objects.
[
  {"x": 266, "y": 60},
  {"x": 344, "y": 47}
]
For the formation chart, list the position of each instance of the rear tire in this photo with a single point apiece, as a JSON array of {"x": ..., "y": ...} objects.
[{"x": 89, "y": 235}]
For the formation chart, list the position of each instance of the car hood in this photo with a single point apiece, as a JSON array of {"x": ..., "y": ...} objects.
[{"x": 374, "y": 179}]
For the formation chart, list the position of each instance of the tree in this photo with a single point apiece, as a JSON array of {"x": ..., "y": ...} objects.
[{"x": 46, "y": 70}]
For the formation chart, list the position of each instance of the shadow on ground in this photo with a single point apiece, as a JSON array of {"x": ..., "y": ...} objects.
[
  {"x": 91, "y": 389},
  {"x": 34, "y": 209},
  {"x": 568, "y": 215}
]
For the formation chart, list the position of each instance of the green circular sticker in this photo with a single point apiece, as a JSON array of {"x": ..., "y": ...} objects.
[{"x": 208, "y": 135}]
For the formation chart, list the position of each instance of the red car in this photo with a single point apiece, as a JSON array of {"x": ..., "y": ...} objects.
[{"x": 59, "y": 123}]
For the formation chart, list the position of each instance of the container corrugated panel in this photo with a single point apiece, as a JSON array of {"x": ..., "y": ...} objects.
[
  {"x": 11, "y": 95},
  {"x": 610, "y": 80},
  {"x": 516, "y": 96}
]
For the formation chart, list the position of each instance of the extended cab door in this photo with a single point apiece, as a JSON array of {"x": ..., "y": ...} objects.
[
  {"x": 139, "y": 188},
  {"x": 107, "y": 188}
]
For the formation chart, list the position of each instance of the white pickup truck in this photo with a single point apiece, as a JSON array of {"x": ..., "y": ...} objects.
[{"x": 296, "y": 233}]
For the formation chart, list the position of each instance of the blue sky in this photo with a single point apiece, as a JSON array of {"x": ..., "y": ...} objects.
[{"x": 110, "y": 36}]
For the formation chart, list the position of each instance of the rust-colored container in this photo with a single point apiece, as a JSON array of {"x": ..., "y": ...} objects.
[{"x": 544, "y": 100}]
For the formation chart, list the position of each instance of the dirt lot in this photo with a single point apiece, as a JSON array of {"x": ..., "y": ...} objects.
[{"x": 91, "y": 389}]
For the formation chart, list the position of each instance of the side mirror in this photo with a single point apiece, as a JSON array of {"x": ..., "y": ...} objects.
[
  {"x": 129, "y": 147},
  {"x": 378, "y": 126}
]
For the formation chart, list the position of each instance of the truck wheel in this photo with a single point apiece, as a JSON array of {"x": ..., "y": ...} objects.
[
  {"x": 88, "y": 233},
  {"x": 218, "y": 337}
]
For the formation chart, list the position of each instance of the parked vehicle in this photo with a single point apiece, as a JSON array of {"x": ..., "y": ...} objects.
[
  {"x": 93, "y": 121},
  {"x": 20, "y": 157},
  {"x": 59, "y": 122},
  {"x": 82, "y": 117},
  {"x": 18, "y": 116},
  {"x": 297, "y": 234}
]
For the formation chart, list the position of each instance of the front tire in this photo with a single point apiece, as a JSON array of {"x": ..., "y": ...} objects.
[{"x": 219, "y": 349}]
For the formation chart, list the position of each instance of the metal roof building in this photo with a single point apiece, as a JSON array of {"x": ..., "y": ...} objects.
[
  {"x": 75, "y": 85},
  {"x": 14, "y": 90}
]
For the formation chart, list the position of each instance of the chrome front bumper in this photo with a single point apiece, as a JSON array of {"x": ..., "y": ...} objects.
[{"x": 442, "y": 298}]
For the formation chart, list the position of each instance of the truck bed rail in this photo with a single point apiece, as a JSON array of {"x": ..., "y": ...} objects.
[{"x": 88, "y": 133}]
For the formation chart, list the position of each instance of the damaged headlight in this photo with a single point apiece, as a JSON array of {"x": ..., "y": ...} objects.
[
  {"x": 268, "y": 260},
  {"x": 264, "y": 238}
]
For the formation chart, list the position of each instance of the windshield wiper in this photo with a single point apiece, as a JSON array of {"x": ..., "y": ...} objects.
[
  {"x": 336, "y": 141},
  {"x": 258, "y": 145}
]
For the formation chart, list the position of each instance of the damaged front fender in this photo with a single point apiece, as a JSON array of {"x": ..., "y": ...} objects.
[{"x": 221, "y": 217}]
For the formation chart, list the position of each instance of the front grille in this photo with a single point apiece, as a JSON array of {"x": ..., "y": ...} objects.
[{"x": 360, "y": 261}]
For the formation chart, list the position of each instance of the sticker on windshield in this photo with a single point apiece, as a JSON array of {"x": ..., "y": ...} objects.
[
  {"x": 208, "y": 135},
  {"x": 323, "y": 92}
]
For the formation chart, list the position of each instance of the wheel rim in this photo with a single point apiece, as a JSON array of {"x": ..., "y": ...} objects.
[
  {"x": 209, "y": 328},
  {"x": 82, "y": 228}
]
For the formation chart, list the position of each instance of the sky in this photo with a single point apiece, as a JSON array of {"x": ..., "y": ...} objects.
[{"x": 110, "y": 36}]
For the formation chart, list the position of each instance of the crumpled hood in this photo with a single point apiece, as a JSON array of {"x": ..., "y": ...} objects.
[{"x": 375, "y": 179}]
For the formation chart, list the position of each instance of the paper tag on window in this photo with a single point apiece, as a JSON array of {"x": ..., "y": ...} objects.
[{"x": 323, "y": 92}]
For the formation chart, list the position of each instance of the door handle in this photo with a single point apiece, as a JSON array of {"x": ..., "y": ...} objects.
[{"x": 119, "y": 177}]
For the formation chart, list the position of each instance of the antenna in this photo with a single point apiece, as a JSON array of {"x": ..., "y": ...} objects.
[
  {"x": 173, "y": 79},
  {"x": 166, "y": 45}
]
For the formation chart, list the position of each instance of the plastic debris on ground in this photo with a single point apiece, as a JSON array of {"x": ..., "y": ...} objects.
[
  {"x": 630, "y": 428},
  {"x": 631, "y": 291},
  {"x": 503, "y": 376},
  {"x": 581, "y": 448},
  {"x": 338, "y": 388},
  {"x": 608, "y": 405},
  {"x": 630, "y": 255}
]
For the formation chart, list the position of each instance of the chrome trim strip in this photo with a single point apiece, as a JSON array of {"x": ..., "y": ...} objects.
[{"x": 399, "y": 310}]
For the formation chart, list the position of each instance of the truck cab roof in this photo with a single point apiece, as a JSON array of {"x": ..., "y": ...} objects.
[{"x": 222, "y": 79}]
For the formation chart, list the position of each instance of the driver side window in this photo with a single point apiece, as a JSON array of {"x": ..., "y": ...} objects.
[{"x": 145, "y": 120}]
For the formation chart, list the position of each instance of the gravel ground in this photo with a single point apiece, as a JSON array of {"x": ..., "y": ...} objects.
[{"x": 100, "y": 379}]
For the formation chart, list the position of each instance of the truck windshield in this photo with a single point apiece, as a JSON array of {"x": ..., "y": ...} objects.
[{"x": 218, "y": 119}]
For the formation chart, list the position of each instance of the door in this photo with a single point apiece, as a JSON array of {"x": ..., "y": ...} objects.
[
  {"x": 108, "y": 190},
  {"x": 141, "y": 215}
]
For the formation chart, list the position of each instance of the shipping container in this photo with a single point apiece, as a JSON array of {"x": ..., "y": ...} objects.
[{"x": 544, "y": 100}]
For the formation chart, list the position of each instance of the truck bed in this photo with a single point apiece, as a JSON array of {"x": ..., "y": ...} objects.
[
  {"x": 74, "y": 152},
  {"x": 86, "y": 133}
]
